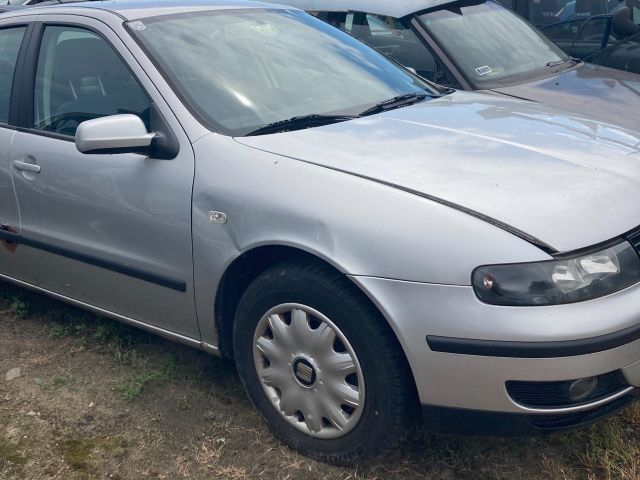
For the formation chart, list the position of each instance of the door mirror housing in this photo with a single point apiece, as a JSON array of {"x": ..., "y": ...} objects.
[{"x": 124, "y": 133}]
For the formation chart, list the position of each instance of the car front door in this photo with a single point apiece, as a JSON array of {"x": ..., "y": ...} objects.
[
  {"x": 109, "y": 230},
  {"x": 14, "y": 262}
]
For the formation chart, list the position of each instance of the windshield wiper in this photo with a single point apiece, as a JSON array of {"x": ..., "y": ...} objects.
[
  {"x": 397, "y": 102},
  {"x": 565, "y": 60},
  {"x": 300, "y": 123}
]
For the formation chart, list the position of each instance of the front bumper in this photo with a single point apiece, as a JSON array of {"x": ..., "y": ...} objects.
[
  {"x": 477, "y": 380},
  {"x": 476, "y": 422}
]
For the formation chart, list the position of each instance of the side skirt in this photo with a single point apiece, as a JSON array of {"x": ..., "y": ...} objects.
[{"x": 192, "y": 342}]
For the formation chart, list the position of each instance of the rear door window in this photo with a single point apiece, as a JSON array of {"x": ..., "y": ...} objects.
[{"x": 10, "y": 41}]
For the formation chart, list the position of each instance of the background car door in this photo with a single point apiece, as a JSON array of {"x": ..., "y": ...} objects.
[
  {"x": 624, "y": 55},
  {"x": 583, "y": 37},
  {"x": 113, "y": 231},
  {"x": 13, "y": 261}
]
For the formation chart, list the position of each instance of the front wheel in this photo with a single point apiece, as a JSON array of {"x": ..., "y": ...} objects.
[{"x": 321, "y": 364}]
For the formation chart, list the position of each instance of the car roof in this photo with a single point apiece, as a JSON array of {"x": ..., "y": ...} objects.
[
  {"x": 390, "y": 8},
  {"x": 134, "y": 9}
]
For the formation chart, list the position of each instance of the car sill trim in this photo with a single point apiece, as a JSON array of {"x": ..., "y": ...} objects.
[
  {"x": 115, "y": 316},
  {"x": 515, "y": 349}
]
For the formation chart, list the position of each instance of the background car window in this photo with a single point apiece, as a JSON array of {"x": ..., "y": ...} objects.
[
  {"x": 489, "y": 43},
  {"x": 583, "y": 9},
  {"x": 390, "y": 36},
  {"x": 10, "y": 41},
  {"x": 80, "y": 77},
  {"x": 623, "y": 56},
  {"x": 545, "y": 12}
]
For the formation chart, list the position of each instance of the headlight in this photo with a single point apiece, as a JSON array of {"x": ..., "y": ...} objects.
[{"x": 559, "y": 281}]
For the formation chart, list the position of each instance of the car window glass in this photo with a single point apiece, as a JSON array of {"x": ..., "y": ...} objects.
[
  {"x": 635, "y": 10},
  {"x": 10, "y": 41},
  {"x": 390, "y": 36},
  {"x": 584, "y": 9},
  {"x": 593, "y": 31},
  {"x": 623, "y": 56},
  {"x": 468, "y": 34},
  {"x": 547, "y": 12},
  {"x": 243, "y": 69},
  {"x": 80, "y": 77},
  {"x": 565, "y": 31}
]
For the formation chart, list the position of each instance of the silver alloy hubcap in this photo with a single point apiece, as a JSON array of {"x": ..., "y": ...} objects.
[{"x": 309, "y": 370}]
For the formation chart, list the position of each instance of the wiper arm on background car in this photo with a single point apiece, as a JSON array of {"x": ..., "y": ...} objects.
[
  {"x": 565, "y": 60},
  {"x": 300, "y": 123},
  {"x": 396, "y": 102}
]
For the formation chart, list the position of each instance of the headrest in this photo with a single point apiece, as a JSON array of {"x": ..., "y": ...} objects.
[{"x": 623, "y": 25}]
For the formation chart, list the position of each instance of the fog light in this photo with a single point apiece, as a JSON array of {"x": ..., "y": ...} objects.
[{"x": 583, "y": 388}]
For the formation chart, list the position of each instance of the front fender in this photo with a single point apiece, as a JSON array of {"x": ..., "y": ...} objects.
[{"x": 361, "y": 227}]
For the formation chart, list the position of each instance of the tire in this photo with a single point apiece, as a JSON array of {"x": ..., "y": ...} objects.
[{"x": 315, "y": 295}]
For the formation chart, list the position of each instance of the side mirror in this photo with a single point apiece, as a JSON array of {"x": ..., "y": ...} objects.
[{"x": 114, "y": 134}]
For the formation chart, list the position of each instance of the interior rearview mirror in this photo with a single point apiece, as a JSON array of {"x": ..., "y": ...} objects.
[{"x": 114, "y": 134}]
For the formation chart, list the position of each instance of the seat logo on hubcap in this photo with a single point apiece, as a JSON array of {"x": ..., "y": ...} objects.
[{"x": 304, "y": 372}]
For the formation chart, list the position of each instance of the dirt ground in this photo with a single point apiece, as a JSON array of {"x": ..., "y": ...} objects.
[{"x": 96, "y": 399}]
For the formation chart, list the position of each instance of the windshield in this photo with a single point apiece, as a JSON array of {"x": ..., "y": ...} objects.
[
  {"x": 239, "y": 70},
  {"x": 490, "y": 43}
]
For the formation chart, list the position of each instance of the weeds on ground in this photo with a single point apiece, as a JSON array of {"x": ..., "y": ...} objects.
[
  {"x": 79, "y": 453},
  {"x": 11, "y": 460},
  {"x": 133, "y": 386},
  {"x": 69, "y": 322}
]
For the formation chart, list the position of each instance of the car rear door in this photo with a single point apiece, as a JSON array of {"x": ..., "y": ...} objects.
[
  {"x": 111, "y": 231},
  {"x": 14, "y": 262}
]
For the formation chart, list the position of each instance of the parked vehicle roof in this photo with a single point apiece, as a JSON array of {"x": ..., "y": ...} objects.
[
  {"x": 395, "y": 8},
  {"x": 133, "y": 9}
]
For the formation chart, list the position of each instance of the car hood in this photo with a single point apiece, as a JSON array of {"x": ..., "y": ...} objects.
[
  {"x": 570, "y": 182},
  {"x": 602, "y": 93}
]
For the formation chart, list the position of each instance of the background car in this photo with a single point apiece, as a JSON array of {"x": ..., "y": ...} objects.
[
  {"x": 542, "y": 13},
  {"x": 583, "y": 37},
  {"x": 455, "y": 44},
  {"x": 624, "y": 55},
  {"x": 582, "y": 28}
]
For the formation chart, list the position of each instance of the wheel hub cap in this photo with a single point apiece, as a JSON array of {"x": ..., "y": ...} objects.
[{"x": 309, "y": 371}]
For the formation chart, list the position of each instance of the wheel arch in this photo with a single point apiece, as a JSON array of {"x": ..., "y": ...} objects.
[{"x": 247, "y": 266}]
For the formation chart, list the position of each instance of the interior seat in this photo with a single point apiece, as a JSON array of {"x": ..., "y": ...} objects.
[{"x": 623, "y": 25}]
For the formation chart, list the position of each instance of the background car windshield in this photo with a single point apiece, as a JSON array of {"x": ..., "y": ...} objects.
[
  {"x": 490, "y": 43},
  {"x": 243, "y": 69}
]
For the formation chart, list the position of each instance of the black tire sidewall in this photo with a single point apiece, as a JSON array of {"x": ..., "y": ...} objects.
[{"x": 354, "y": 318}]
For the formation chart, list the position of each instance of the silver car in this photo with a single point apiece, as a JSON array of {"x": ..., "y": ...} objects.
[
  {"x": 482, "y": 46},
  {"x": 250, "y": 181}
]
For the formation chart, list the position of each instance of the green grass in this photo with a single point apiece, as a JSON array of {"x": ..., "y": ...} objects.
[
  {"x": 79, "y": 453},
  {"x": 133, "y": 386},
  {"x": 11, "y": 460}
]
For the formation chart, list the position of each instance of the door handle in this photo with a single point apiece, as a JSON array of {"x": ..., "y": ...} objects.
[{"x": 26, "y": 167}]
